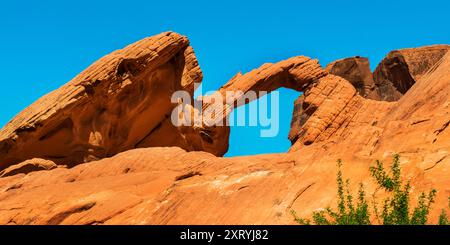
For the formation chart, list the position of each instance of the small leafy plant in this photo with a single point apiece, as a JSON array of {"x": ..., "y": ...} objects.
[
  {"x": 443, "y": 220},
  {"x": 347, "y": 212},
  {"x": 396, "y": 208}
]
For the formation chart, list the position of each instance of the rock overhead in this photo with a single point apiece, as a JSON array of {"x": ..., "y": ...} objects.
[
  {"x": 296, "y": 73},
  {"x": 102, "y": 149}
]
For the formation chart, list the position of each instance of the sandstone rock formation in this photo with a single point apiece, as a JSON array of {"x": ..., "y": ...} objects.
[
  {"x": 396, "y": 73},
  {"x": 121, "y": 102},
  {"x": 357, "y": 71},
  {"x": 400, "y": 69},
  {"x": 331, "y": 106},
  {"x": 171, "y": 185},
  {"x": 298, "y": 73}
]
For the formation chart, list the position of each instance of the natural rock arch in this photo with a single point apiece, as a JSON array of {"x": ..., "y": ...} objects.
[{"x": 122, "y": 102}]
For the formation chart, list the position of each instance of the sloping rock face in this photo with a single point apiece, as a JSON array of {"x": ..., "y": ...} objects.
[
  {"x": 400, "y": 69},
  {"x": 393, "y": 77},
  {"x": 171, "y": 185},
  {"x": 330, "y": 106},
  {"x": 121, "y": 102}
]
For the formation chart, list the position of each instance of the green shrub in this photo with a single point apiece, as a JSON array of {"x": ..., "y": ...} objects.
[
  {"x": 443, "y": 220},
  {"x": 396, "y": 207},
  {"x": 347, "y": 213}
]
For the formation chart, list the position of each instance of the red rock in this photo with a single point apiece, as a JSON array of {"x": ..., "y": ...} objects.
[
  {"x": 120, "y": 102},
  {"x": 170, "y": 185},
  {"x": 296, "y": 73},
  {"x": 142, "y": 186},
  {"x": 28, "y": 166},
  {"x": 400, "y": 69},
  {"x": 357, "y": 71}
]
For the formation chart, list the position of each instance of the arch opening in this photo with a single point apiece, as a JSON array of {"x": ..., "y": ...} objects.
[{"x": 247, "y": 139}]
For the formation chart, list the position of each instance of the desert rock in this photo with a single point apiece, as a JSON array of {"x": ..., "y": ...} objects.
[
  {"x": 28, "y": 166},
  {"x": 121, "y": 102},
  {"x": 176, "y": 176},
  {"x": 144, "y": 186},
  {"x": 357, "y": 71},
  {"x": 400, "y": 69}
]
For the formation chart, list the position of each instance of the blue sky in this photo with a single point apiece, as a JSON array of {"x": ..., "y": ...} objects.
[{"x": 43, "y": 44}]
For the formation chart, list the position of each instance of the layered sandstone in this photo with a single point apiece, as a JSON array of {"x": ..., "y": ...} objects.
[
  {"x": 378, "y": 128},
  {"x": 28, "y": 166},
  {"x": 395, "y": 74},
  {"x": 172, "y": 186},
  {"x": 121, "y": 102},
  {"x": 298, "y": 73},
  {"x": 331, "y": 108},
  {"x": 184, "y": 184},
  {"x": 400, "y": 69}
]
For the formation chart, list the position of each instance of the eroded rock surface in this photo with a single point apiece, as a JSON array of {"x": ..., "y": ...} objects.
[
  {"x": 121, "y": 102},
  {"x": 28, "y": 166},
  {"x": 331, "y": 107},
  {"x": 395, "y": 74},
  {"x": 414, "y": 124},
  {"x": 170, "y": 185},
  {"x": 298, "y": 73},
  {"x": 357, "y": 71},
  {"x": 400, "y": 69}
]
